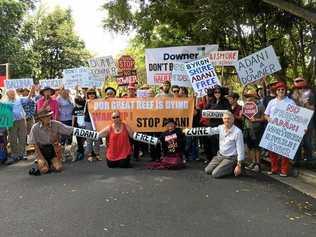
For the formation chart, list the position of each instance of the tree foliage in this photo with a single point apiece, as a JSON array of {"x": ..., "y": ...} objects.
[{"x": 244, "y": 25}]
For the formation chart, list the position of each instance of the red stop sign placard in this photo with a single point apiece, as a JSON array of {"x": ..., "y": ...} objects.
[
  {"x": 126, "y": 62},
  {"x": 250, "y": 109}
]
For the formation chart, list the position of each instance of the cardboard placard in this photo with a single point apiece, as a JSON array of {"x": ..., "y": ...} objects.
[
  {"x": 257, "y": 65},
  {"x": 250, "y": 109},
  {"x": 223, "y": 58},
  {"x": 102, "y": 67},
  {"x": 198, "y": 132},
  {"x": 180, "y": 76},
  {"x": 202, "y": 75},
  {"x": 286, "y": 129}
]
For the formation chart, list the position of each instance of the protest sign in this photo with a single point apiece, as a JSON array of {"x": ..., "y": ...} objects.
[
  {"x": 126, "y": 77},
  {"x": 142, "y": 93},
  {"x": 159, "y": 61},
  {"x": 180, "y": 76},
  {"x": 79, "y": 132},
  {"x": 257, "y": 65},
  {"x": 6, "y": 115},
  {"x": 126, "y": 63},
  {"x": 145, "y": 138},
  {"x": 143, "y": 114},
  {"x": 52, "y": 83},
  {"x": 198, "y": 131},
  {"x": 223, "y": 58},
  {"x": 102, "y": 67},
  {"x": 18, "y": 83},
  {"x": 81, "y": 76},
  {"x": 250, "y": 109},
  {"x": 286, "y": 129},
  {"x": 202, "y": 76},
  {"x": 213, "y": 113}
]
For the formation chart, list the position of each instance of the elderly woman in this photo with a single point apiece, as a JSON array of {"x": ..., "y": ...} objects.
[
  {"x": 280, "y": 99},
  {"x": 119, "y": 149}
]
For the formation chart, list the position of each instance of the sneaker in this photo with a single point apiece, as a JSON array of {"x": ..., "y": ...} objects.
[
  {"x": 256, "y": 168},
  {"x": 271, "y": 173},
  {"x": 283, "y": 175}
]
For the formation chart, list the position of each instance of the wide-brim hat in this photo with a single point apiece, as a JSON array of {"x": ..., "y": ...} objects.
[
  {"x": 91, "y": 91},
  {"x": 109, "y": 88},
  {"x": 251, "y": 94},
  {"x": 280, "y": 85},
  {"x": 43, "y": 113},
  {"x": 299, "y": 83},
  {"x": 145, "y": 87},
  {"x": 52, "y": 91}
]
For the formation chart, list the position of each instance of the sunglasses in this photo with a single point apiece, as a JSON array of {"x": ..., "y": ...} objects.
[
  {"x": 175, "y": 91},
  {"x": 115, "y": 117}
]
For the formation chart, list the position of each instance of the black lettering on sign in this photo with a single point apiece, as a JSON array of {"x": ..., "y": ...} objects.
[
  {"x": 145, "y": 138},
  {"x": 147, "y": 122},
  {"x": 201, "y": 131},
  {"x": 79, "y": 132}
]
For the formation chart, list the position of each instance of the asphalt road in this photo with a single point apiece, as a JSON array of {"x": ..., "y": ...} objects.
[{"x": 88, "y": 199}]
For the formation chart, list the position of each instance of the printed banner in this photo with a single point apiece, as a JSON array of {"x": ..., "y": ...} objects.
[
  {"x": 224, "y": 58},
  {"x": 79, "y": 132},
  {"x": 18, "y": 83},
  {"x": 250, "y": 109},
  {"x": 257, "y": 65},
  {"x": 159, "y": 61},
  {"x": 285, "y": 131},
  {"x": 6, "y": 115},
  {"x": 202, "y": 75},
  {"x": 180, "y": 76},
  {"x": 213, "y": 113},
  {"x": 52, "y": 83},
  {"x": 143, "y": 114},
  {"x": 145, "y": 138},
  {"x": 102, "y": 67}
]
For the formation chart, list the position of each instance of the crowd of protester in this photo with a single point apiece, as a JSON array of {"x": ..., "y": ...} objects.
[{"x": 44, "y": 118}]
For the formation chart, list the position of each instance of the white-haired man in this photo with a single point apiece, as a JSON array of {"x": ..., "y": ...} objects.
[{"x": 231, "y": 149}]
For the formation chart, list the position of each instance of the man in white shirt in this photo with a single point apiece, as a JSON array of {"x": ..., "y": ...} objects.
[{"x": 231, "y": 149}]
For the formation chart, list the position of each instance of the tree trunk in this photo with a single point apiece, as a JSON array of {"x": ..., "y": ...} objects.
[{"x": 308, "y": 15}]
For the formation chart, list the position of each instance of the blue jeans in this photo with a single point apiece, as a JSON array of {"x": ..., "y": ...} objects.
[{"x": 191, "y": 148}]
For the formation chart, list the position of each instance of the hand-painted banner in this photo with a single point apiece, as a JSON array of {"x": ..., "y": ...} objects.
[
  {"x": 223, "y": 58},
  {"x": 180, "y": 76},
  {"x": 102, "y": 67},
  {"x": 143, "y": 114},
  {"x": 202, "y": 75},
  {"x": 198, "y": 132},
  {"x": 18, "y": 83},
  {"x": 145, "y": 138},
  {"x": 286, "y": 129},
  {"x": 159, "y": 61},
  {"x": 52, "y": 83},
  {"x": 250, "y": 109},
  {"x": 257, "y": 65},
  {"x": 79, "y": 132},
  {"x": 125, "y": 78},
  {"x": 6, "y": 115},
  {"x": 213, "y": 113}
]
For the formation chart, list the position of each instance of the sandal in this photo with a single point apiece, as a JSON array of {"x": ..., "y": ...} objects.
[{"x": 90, "y": 158}]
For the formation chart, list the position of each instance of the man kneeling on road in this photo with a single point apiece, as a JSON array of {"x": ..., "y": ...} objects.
[
  {"x": 44, "y": 136},
  {"x": 231, "y": 149}
]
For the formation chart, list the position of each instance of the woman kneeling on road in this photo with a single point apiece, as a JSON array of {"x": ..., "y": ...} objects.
[{"x": 119, "y": 149}]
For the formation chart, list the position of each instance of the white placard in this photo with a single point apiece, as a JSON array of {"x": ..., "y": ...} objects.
[
  {"x": 213, "y": 113},
  {"x": 81, "y": 76},
  {"x": 202, "y": 76},
  {"x": 223, "y": 58},
  {"x": 102, "y": 67},
  {"x": 145, "y": 138},
  {"x": 257, "y": 65},
  {"x": 159, "y": 61},
  {"x": 142, "y": 93},
  {"x": 198, "y": 132},
  {"x": 18, "y": 83},
  {"x": 286, "y": 129},
  {"x": 180, "y": 76},
  {"x": 79, "y": 132},
  {"x": 52, "y": 83}
]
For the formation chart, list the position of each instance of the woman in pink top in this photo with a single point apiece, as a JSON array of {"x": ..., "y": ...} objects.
[
  {"x": 119, "y": 148},
  {"x": 47, "y": 102}
]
